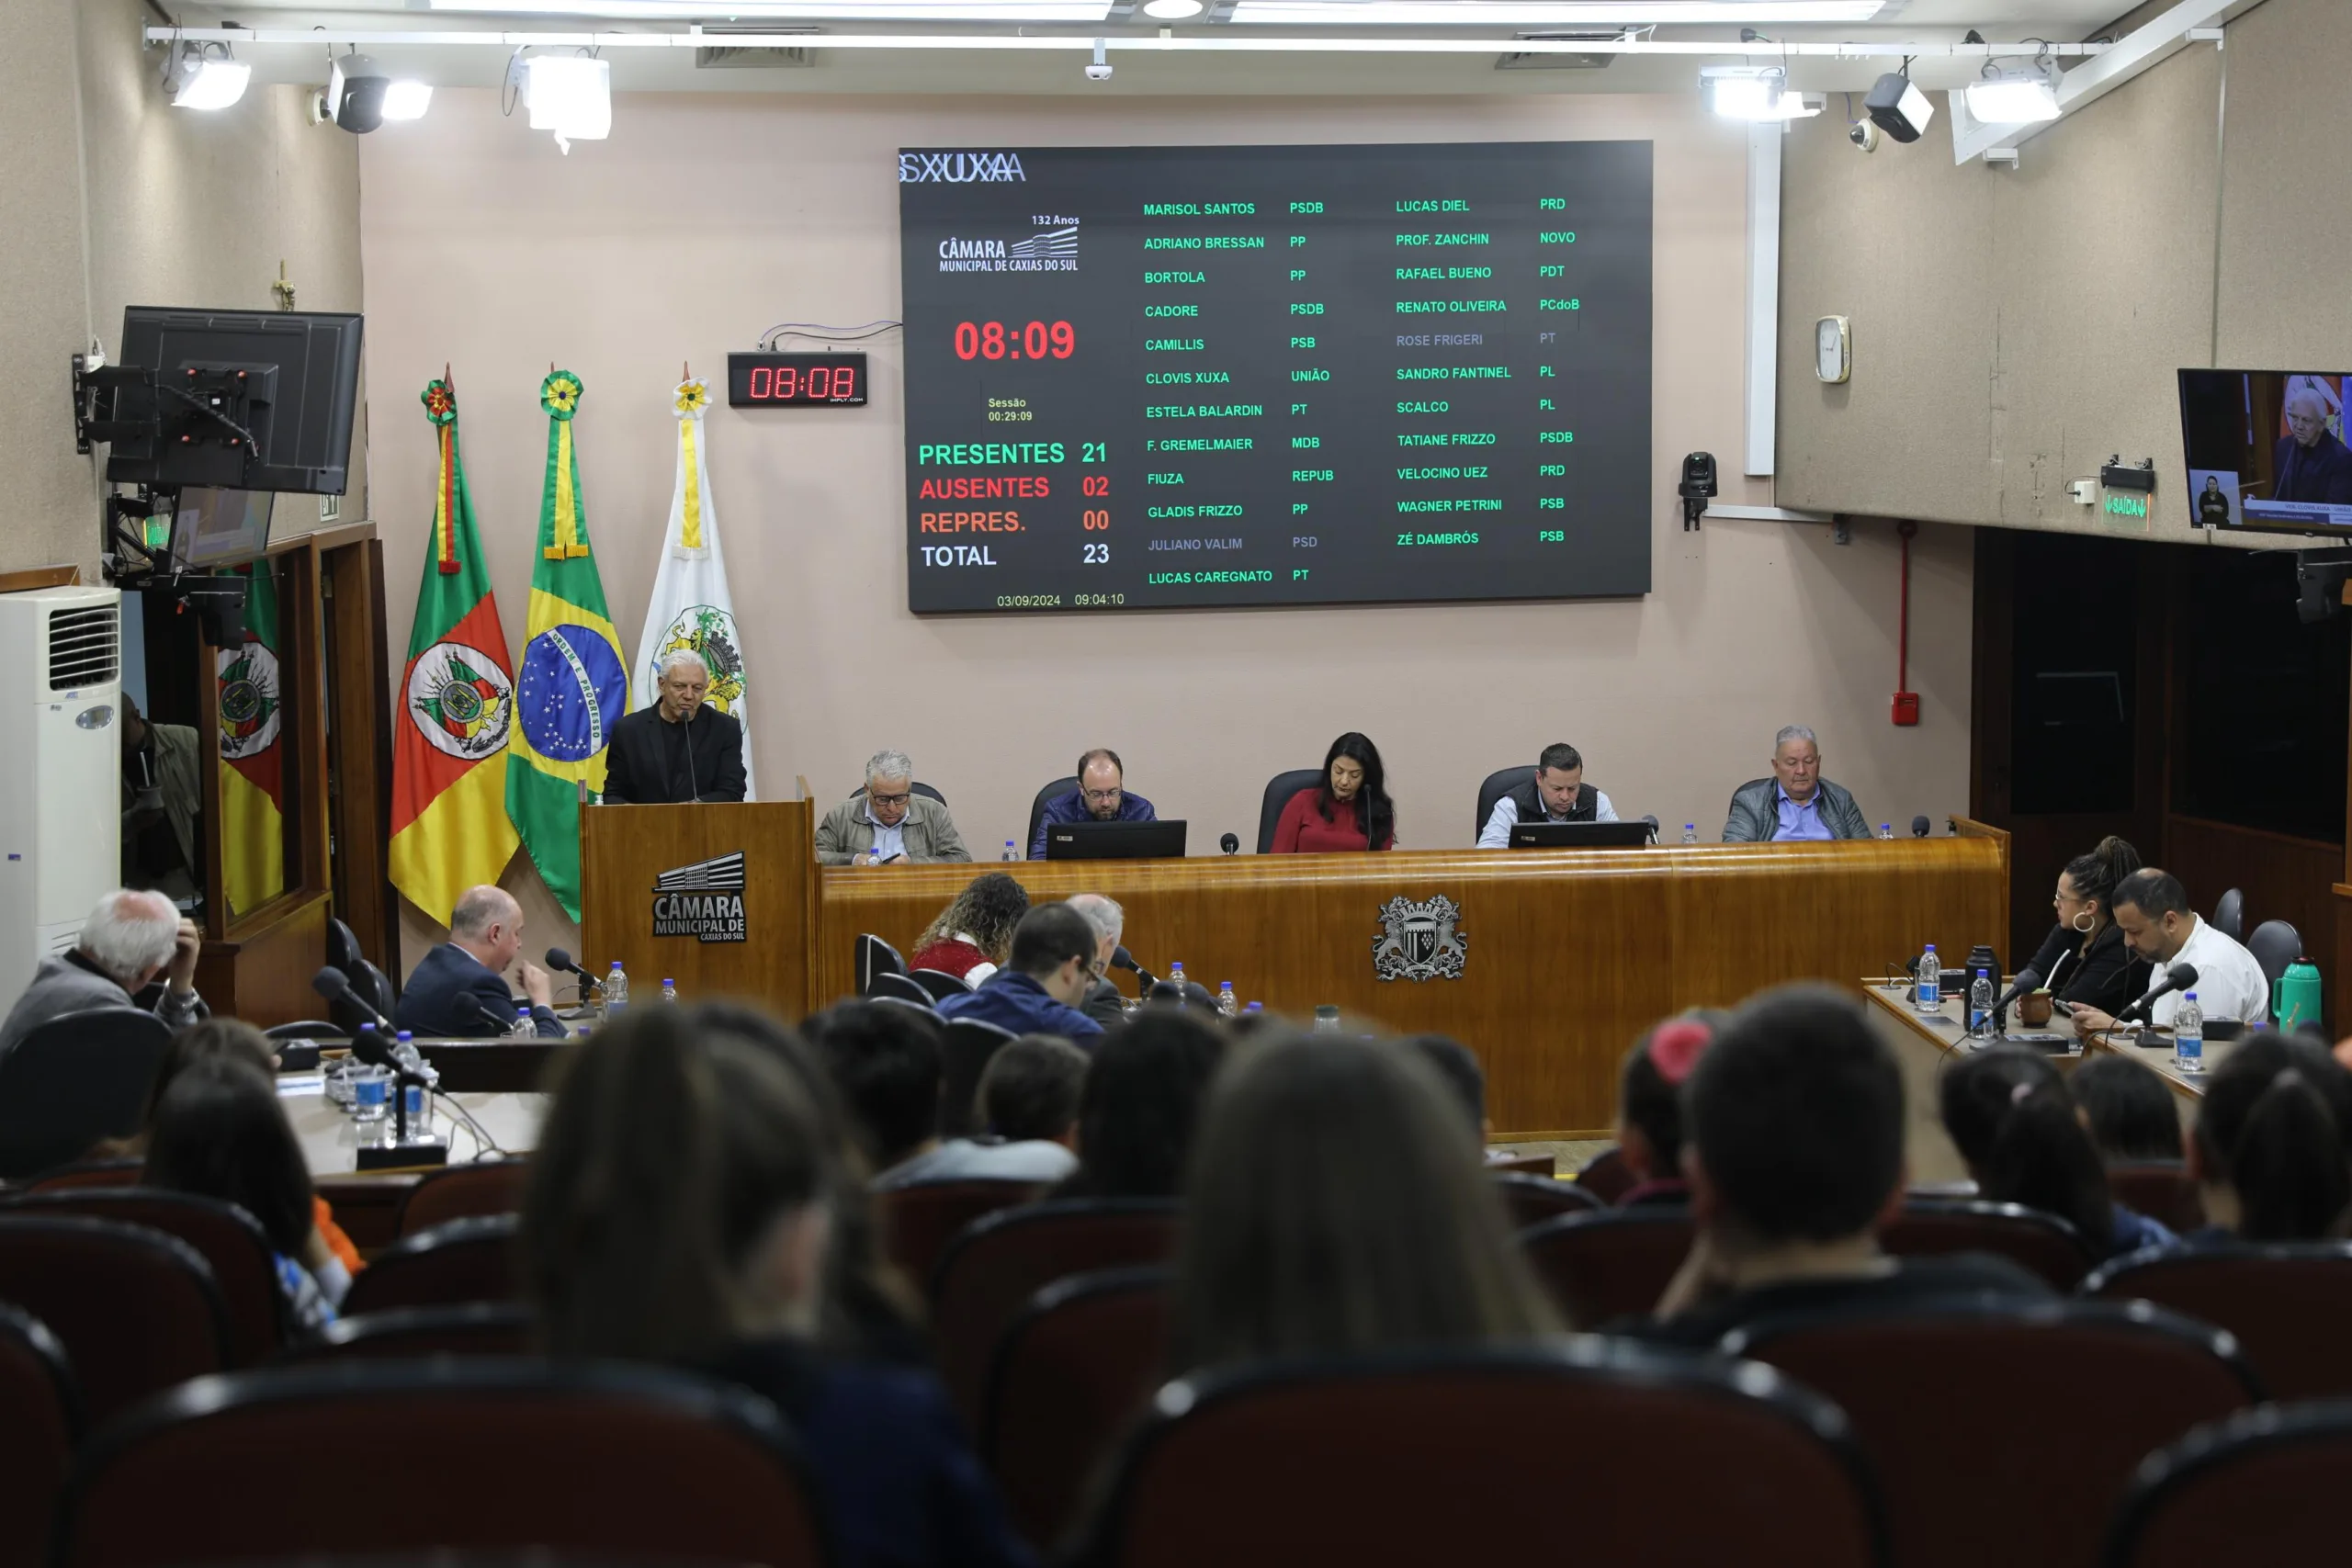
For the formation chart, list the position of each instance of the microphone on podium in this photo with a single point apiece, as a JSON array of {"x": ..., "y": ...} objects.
[
  {"x": 1230, "y": 844},
  {"x": 1919, "y": 827},
  {"x": 2179, "y": 977},
  {"x": 1121, "y": 959},
  {"x": 563, "y": 961},
  {"x": 1651, "y": 823},
  {"x": 2028, "y": 980},
  {"x": 335, "y": 986}
]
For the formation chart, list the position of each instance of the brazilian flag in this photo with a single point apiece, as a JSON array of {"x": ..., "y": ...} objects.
[{"x": 571, "y": 684}]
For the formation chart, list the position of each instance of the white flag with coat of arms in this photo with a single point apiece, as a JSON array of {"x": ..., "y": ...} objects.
[{"x": 691, "y": 607}]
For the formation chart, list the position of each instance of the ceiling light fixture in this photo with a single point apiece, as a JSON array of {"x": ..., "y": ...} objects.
[
  {"x": 1172, "y": 10},
  {"x": 802, "y": 10},
  {"x": 407, "y": 100},
  {"x": 570, "y": 95},
  {"x": 198, "y": 78},
  {"x": 2015, "y": 97},
  {"x": 1751, "y": 92},
  {"x": 1546, "y": 13}
]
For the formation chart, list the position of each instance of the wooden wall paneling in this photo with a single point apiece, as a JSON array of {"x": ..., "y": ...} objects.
[
  {"x": 2283, "y": 878},
  {"x": 39, "y": 577},
  {"x": 262, "y": 972},
  {"x": 360, "y": 743}
]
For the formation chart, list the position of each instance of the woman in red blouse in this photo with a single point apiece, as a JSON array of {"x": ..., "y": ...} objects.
[
  {"x": 1348, "y": 810},
  {"x": 973, "y": 935}
]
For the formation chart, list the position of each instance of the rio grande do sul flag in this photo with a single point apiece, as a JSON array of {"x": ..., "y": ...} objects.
[
  {"x": 691, "y": 607},
  {"x": 456, "y": 699},
  {"x": 253, "y": 814},
  {"x": 573, "y": 686}
]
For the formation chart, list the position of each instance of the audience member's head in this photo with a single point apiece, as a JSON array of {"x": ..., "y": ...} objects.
[
  {"x": 220, "y": 1132},
  {"x": 987, "y": 910},
  {"x": 1108, "y": 919},
  {"x": 1030, "y": 1090},
  {"x": 2270, "y": 1141},
  {"x": 130, "y": 936},
  {"x": 213, "y": 1040},
  {"x": 1136, "y": 1117},
  {"x": 1794, "y": 1124},
  {"x": 1055, "y": 945},
  {"x": 885, "y": 1060},
  {"x": 2009, "y": 1115},
  {"x": 1459, "y": 1070},
  {"x": 1336, "y": 1207},
  {"x": 1649, "y": 1093},
  {"x": 680, "y": 1197},
  {"x": 2130, "y": 1108}
]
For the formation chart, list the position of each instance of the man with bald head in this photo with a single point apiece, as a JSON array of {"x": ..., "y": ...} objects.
[
  {"x": 461, "y": 988},
  {"x": 130, "y": 940},
  {"x": 2311, "y": 464}
]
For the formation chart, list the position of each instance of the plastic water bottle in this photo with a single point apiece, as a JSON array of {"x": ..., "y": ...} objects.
[
  {"x": 1176, "y": 979},
  {"x": 616, "y": 990},
  {"x": 1886, "y": 829},
  {"x": 1980, "y": 1007},
  {"x": 2189, "y": 1035},
  {"x": 1010, "y": 852},
  {"x": 1690, "y": 832},
  {"x": 670, "y": 990},
  {"x": 1327, "y": 1020},
  {"x": 1930, "y": 994},
  {"x": 1255, "y": 1007},
  {"x": 525, "y": 1026},
  {"x": 1227, "y": 1002}
]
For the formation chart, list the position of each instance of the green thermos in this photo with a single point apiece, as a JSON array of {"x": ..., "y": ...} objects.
[{"x": 2294, "y": 996}]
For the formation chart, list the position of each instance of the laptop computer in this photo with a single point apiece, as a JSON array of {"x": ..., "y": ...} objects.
[
  {"x": 1579, "y": 835},
  {"x": 1114, "y": 840}
]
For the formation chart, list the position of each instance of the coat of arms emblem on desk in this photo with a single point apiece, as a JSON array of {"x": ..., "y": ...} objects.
[{"x": 1419, "y": 941}]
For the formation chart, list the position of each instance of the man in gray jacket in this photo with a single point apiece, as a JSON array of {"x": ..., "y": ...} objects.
[
  {"x": 887, "y": 823},
  {"x": 1796, "y": 803},
  {"x": 129, "y": 941}
]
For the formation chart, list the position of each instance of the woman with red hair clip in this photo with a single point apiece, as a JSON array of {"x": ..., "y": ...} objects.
[{"x": 1649, "y": 1107}]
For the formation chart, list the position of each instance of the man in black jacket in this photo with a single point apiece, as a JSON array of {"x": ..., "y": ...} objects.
[
  {"x": 459, "y": 989},
  {"x": 677, "y": 749}
]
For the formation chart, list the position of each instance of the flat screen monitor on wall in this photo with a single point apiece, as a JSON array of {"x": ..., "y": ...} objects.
[
  {"x": 213, "y": 529},
  {"x": 243, "y": 399},
  {"x": 2266, "y": 450}
]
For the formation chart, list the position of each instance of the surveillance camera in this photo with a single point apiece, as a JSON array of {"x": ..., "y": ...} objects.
[
  {"x": 1863, "y": 134},
  {"x": 1098, "y": 72}
]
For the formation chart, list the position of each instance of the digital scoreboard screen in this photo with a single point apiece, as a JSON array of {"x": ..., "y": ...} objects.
[{"x": 1145, "y": 377}]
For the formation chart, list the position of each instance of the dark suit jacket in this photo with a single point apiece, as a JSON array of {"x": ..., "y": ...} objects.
[
  {"x": 2324, "y": 474},
  {"x": 449, "y": 992},
  {"x": 651, "y": 760}
]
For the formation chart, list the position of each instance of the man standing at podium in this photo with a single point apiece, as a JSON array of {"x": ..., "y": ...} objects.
[{"x": 678, "y": 750}]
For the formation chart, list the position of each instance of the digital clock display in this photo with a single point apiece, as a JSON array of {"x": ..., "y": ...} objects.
[{"x": 796, "y": 380}]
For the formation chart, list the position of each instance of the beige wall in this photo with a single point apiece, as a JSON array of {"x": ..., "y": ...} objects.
[
  {"x": 2012, "y": 328},
  {"x": 707, "y": 217}
]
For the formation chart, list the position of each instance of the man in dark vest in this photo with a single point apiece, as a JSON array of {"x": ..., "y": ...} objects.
[{"x": 1557, "y": 793}]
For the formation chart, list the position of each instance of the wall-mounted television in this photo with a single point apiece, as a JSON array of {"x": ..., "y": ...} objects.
[{"x": 2266, "y": 450}]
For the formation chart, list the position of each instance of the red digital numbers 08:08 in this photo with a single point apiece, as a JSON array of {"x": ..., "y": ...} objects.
[{"x": 994, "y": 340}]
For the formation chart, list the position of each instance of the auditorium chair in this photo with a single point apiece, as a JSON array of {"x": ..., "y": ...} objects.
[
  {"x": 1045, "y": 797},
  {"x": 474, "y": 1328},
  {"x": 89, "y": 1173},
  {"x": 938, "y": 984},
  {"x": 2275, "y": 944},
  {"x": 1279, "y": 789},
  {"x": 875, "y": 958},
  {"x": 1532, "y": 1199},
  {"x": 464, "y": 1260},
  {"x": 1606, "y": 1176},
  {"x": 2001, "y": 1431},
  {"x": 2228, "y": 915},
  {"x": 40, "y": 1425},
  {"x": 990, "y": 1272},
  {"x": 230, "y": 1240},
  {"x": 2160, "y": 1189},
  {"x": 1449, "y": 1457},
  {"x": 343, "y": 949},
  {"x": 504, "y": 1458},
  {"x": 2287, "y": 1303},
  {"x": 136, "y": 1310},
  {"x": 1608, "y": 1264},
  {"x": 916, "y": 1224},
  {"x": 965, "y": 1047},
  {"x": 73, "y": 1082},
  {"x": 2262, "y": 1487},
  {"x": 464, "y": 1192},
  {"x": 889, "y": 987},
  {"x": 1499, "y": 783},
  {"x": 1068, "y": 1376},
  {"x": 2039, "y": 1243}
]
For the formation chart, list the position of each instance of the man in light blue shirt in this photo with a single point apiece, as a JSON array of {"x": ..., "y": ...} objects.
[{"x": 1796, "y": 803}]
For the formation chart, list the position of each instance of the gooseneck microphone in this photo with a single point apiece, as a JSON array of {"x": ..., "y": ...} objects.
[
  {"x": 562, "y": 962},
  {"x": 335, "y": 986},
  {"x": 1230, "y": 843},
  {"x": 1651, "y": 823},
  {"x": 2028, "y": 980},
  {"x": 1121, "y": 959},
  {"x": 2179, "y": 977},
  {"x": 1919, "y": 827}
]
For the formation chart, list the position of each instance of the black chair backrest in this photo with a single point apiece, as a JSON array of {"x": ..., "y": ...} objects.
[
  {"x": 229, "y": 1239},
  {"x": 965, "y": 1047},
  {"x": 343, "y": 949},
  {"x": 2160, "y": 1189},
  {"x": 1442, "y": 1457},
  {"x": 40, "y": 1425},
  {"x": 476, "y": 1328},
  {"x": 2044, "y": 1244},
  {"x": 2286, "y": 1303},
  {"x": 919, "y": 787},
  {"x": 2228, "y": 915},
  {"x": 463, "y": 1192},
  {"x": 136, "y": 1310},
  {"x": 73, "y": 1081},
  {"x": 876, "y": 958},
  {"x": 1052, "y": 792},
  {"x": 916, "y": 1224},
  {"x": 938, "y": 984},
  {"x": 1607, "y": 1176},
  {"x": 2263, "y": 1487},
  {"x": 2055, "y": 1403},
  {"x": 1531, "y": 1200},
  {"x": 899, "y": 988},
  {"x": 374, "y": 987},
  {"x": 464, "y": 1260},
  {"x": 1279, "y": 789},
  {"x": 1608, "y": 1264},
  {"x": 502, "y": 1458},
  {"x": 1499, "y": 783},
  {"x": 89, "y": 1173},
  {"x": 2275, "y": 944}
]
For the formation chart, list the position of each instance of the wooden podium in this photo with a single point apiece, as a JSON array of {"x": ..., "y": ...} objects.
[{"x": 721, "y": 898}]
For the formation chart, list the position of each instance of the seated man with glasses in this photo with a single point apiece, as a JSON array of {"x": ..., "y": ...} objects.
[
  {"x": 887, "y": 823},
  {"x": 1100, "y": 796}
]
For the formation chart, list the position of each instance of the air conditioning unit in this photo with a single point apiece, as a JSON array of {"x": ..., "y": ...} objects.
[{"x": 61, "y": 771}]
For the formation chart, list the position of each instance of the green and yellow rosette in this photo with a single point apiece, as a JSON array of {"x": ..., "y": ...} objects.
[
  {"x": 560, "y": 395},
  {"x": 440, "y": 401}
]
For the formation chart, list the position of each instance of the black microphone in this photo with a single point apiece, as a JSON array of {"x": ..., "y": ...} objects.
[
  {"x": 1121, "y": 959},
  {"x": 2028, "y": 979},
  {"x": 558, "y": 959},
  {"x": 2179, "y": 977},
  {"x": 1919, "y": 827},
  {"x": 502, "y": 1024},
  {"x": 1230, "y": 844},
  {"x": 335, "y": 986},
  {"x": 1651, "y": 823}
]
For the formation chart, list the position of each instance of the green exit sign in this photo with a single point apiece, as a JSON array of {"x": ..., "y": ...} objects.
[{"x": 2126, "y": 505}]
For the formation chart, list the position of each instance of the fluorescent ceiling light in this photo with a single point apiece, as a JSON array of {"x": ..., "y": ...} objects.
[
  {"x": 200, "y": 81},
  {"x": 407, "y": 100},
  {"x": 1743, "y": 92},
  {"x": 570, "y": 95},
  {"x": 2015, "y": 97},
  {"x": 801, "y": 10},
  {"x": 1172, "y": 10},
  {"x": 1548, "y": 13}
]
